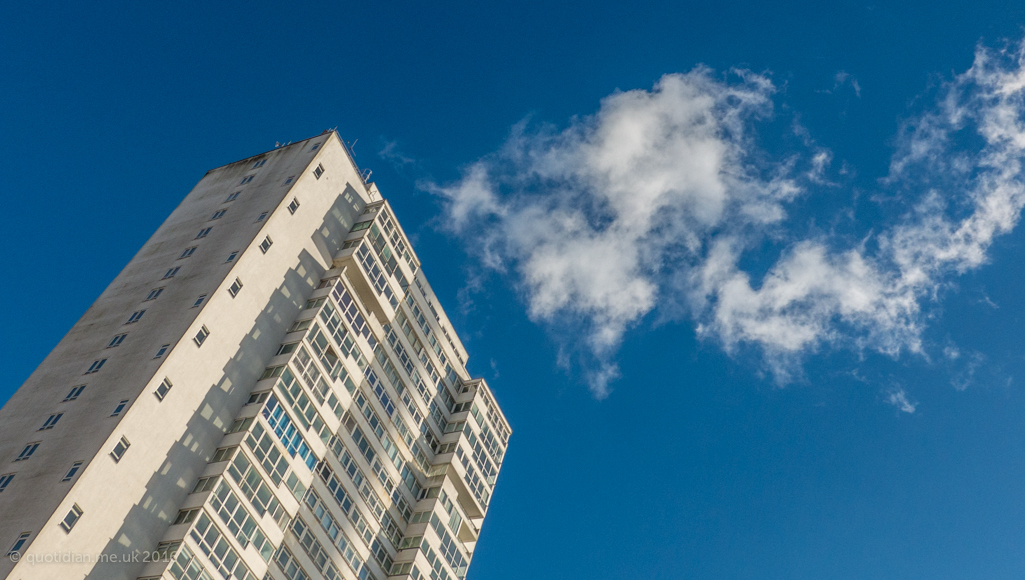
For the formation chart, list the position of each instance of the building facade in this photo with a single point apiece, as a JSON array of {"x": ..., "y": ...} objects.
[{"x": 269, "y": 389}]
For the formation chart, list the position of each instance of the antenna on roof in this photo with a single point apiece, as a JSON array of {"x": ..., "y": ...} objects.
[
  {"x": 366, "y": 175},
  {"x": 276, "y": 144}
]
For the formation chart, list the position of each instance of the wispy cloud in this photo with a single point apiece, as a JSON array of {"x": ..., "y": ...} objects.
[
  {"x": 655, "y": 200},
  {"x": 898, "y": 398}
]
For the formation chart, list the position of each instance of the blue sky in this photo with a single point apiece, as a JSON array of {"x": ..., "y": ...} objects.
[{"x": 805, "y": 364}]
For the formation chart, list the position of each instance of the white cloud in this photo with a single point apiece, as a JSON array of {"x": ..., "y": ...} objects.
[
  {"x": 655, "y": 200},
  {"x": 898, "y": 398}
]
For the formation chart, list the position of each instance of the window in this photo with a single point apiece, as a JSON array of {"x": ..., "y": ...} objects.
[
  {"x": 119, "y": 449},
  {"x": 163, "y": 388},
  {"x": 314, "y": 303},
  {"x": 117, "y": 340},
  {"x": 315, "y": 147},
  {"x": 120, "y": 407},
  {"x": 318, "y": 171},
  {"x": 232, "y": 196},
  {"x": 72, "y": 518},
  {"x": 19, "y": 544},
  {"x": 96, "y": 366},
  {"x": 218, "y": 214},
  {"x": 154, "y": 293},
  {"x": 75, "y": 392},
  {"x": 266, "y": 244},
  {"x": 5, "y": 480},
  {"x": 259, "y": 163},
  {"x": 51, "y": 421},
  {"x": 351, "y": 243},
  {"x": 231, "y": 257},
  {"x": 71, "y": 472},
  {"x": 287, "y": 348},
  {"x": 203, "y": 232},
  {"x": 236, "y": 286},
  {"x": 246, "y": 179},
  {"x": 162, "y": 350},
  {"x": 241, "y": 424},
  {"x": 272, "y": 372},
  {"x": 223, "y": 454},
  {"x": 290, "y": 179},
  {"x": 200, "y": 337},
  {"x": 361, "y": 225},
  {"x": 258, "y": 397},
  {"x": 199, "y": 301},
  {"x": 294, "y": 205},
  {"x": 170, "y": 273},
  {"x": 165, "y": 552},
  {"x": 186, "y": 516},
  {"x": 28, "y": 451},
  {"x": 263, "y": 216},
  {"x": 300, "y": 325},
  {"x": 135, "y": 316},
  {"x": 205, "y": 484}
]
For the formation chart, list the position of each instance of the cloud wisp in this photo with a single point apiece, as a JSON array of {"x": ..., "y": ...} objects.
[{"x": 655, "y": 200}]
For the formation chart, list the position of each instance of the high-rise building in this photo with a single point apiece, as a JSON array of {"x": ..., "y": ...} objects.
[{"x": 269, "y": 389}]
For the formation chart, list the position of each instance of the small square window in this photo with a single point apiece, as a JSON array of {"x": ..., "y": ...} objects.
[
  {"x": 5, "y": 480},
  {"x": 205, "y": 484},
  {"x": 262, "y": 216},
  {"x": 28, "y": 451},
  {"x": 170, "y": 273},
  {"x": 223, "y": 454},
  {"x": 218, "y": 214},
  {"x": 119, "y": 450},
  {"x": 199, "y": 301},
  {"x": 315, "y": 147},
  {"x": 318, "y": 171},
  {"x": 232, "y": 196},
  {"x": 51, "y": 421},
  {"x": 235, "y": 288},
  {"x": 246, "y": 179},
  {"x": 135, "y": 316},
  {"x": 294, "y": 205},
  {"x": 72, "y": 518},
  {"x": 231, "y": 257},
  {"x": 187, "y": 252},
  {"x": 162, "y": 350},
  {"x": 19, "y": 544},
  {"x": 162, "y": 390},
  {"x": 96, "y": 366},
  {"x": 186, "y": 516},
  {"x": 259, "y": 163},
  {"x": 120, "y": 407},
  {"x": 117, "y": 340},
  {"x": 74, "y": 394},
  {"x": 266, "y": 244},
  {"x": 154, "y": 293},
  {"x": 290, "y": 179},
  {"x": 200, "y": 337},
  {"x": 203, "y": 233},
  {"x": 71, "y": 472}
]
